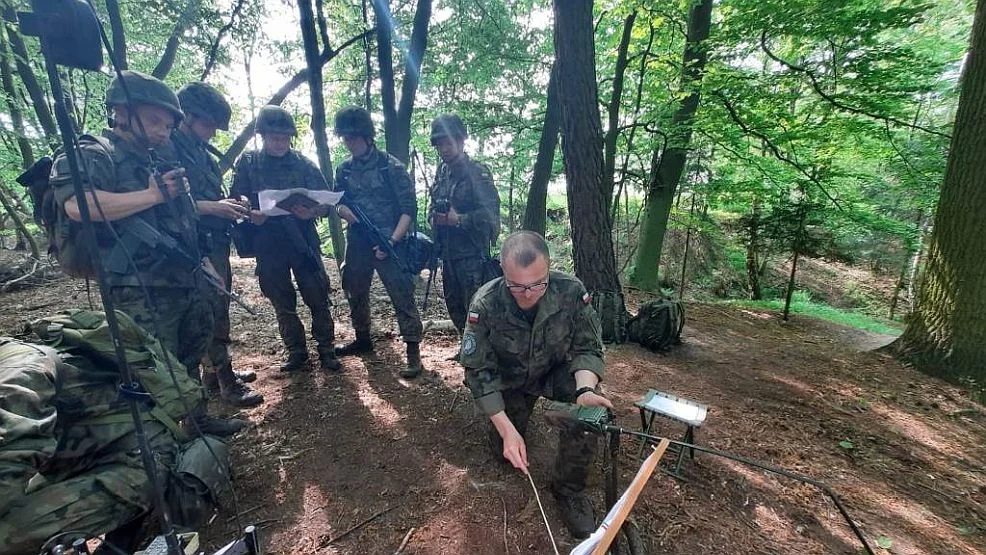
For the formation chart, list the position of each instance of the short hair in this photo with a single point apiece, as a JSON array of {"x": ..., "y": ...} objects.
[{"x": 524, "y": 247}]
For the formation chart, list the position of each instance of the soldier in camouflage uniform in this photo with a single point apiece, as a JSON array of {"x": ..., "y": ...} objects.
[
  {"x": 379, "y": 184},
  {"x": 288, "y": 244},
  {"x": 533, "y": 333},
  {"x": 163, "y": 295},
  {"x": 206, "y": 111},
  {"x": 465, "y": 214}
]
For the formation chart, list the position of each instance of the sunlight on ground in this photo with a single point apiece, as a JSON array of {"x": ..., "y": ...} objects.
[
  {"x": 382, "y": 410},
  {"x": 917, "y": 517},
  {"x": 758, "y": 315},
  {"x": 914, "y": 429}
]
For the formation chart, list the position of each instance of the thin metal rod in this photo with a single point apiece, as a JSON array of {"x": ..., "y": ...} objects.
[
  {"x": 543, "y": 515},
  {"x": 762, "y": 466}
]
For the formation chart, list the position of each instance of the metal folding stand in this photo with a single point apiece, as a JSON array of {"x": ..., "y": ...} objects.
[{"x": 691, "y": 414}]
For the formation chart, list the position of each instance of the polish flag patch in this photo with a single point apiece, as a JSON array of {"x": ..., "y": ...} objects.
[
  {"x": 587, "y": 298},
  {"x": 473, "y": 318}
]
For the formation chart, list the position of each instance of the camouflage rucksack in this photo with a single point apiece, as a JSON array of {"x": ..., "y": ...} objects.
[
  {"x": 658, "y": 324},
  {"x": 65, "y": 236}
]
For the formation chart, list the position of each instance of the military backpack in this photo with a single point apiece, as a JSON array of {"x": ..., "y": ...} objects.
[{"x": 658, "y": 324}]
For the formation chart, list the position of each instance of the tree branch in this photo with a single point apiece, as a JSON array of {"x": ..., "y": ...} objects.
[
  {"x": 214, "y": 49},
  {"x": 774, "y": 149},
  {"x": 301, "y": 77},
  {"x": 835, "y": 102},
  {"x": 323, "y": 27},
  {"x": 119, "y": 37},
  {"x": 171, "y": 48},
  {"x": 21, "y": 61}
]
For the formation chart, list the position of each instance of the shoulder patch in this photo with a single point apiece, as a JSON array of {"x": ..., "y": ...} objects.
[
  {"x": 587, "y": 298},
  {"x": 473, "y": 318},
  {"x": 468, "y": 344}
]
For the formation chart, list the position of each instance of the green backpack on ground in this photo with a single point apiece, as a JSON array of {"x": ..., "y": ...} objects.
[{"x": 658, "y": 324}]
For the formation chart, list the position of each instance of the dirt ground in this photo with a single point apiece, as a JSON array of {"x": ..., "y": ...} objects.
[{"x": 352, "y": 462}]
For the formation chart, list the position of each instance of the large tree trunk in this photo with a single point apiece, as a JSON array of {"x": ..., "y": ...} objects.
[
  {"x": 38, "y": 97},
  {"x": 16, "y": 114},
  {"x": 397, "y": 117},
  {"x": 318, "y": 118},
  {"x": 581, "y": 130},
  {"x": 946, "y": 335},
  {"x": 8, "y": 206},
  {"x": 537, "y": 195},
  {"x": 668, "y": 166}
]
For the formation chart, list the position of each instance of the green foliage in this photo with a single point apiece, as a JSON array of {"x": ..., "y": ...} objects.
[{"x": 802, "y": 304}]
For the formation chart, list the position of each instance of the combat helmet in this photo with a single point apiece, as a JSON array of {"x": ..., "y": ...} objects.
[
  {"x": 274, "y": 119},
  {"x": 354, "y": 121},
  {"x": 205, "y": 101},
  {"x": 137, "y": 88},
  {"x": 448, "y": 125}
]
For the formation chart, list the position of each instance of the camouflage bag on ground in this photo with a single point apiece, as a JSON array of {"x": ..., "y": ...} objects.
[{"x": 658, "y": 324}]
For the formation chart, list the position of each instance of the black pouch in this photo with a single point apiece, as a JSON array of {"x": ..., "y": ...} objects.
[{"x": 244, "y": 239}]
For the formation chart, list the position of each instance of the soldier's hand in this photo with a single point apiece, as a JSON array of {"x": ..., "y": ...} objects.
[
  {"x": 174, "y": 184},
  {"x": 226, "y": 208},
  {"x": 452, "y": 218},
  {"x": 592, "y": 399},
  {"x": 379, "y": 253},
  {"x": 515, "y": 450},
  {"x": 257, "y": 217},
  {"x": 345, "y": 213}
]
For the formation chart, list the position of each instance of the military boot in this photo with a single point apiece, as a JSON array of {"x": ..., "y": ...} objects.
[
  {"x": 327, "y": 360},
  {"x": 414, "y": 367},
  {"x": 211, "y": 383},
  {"x": 296, "y": 361},
  {"x": 576, "y": 511},
  {"x": 361, "y": 345},
  {"x": 245, "y": 376},
  {"x": 236, "y": 393},
  {"x": 199, "y": 421}
]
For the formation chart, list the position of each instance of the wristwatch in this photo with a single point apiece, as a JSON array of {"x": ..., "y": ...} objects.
[{"x": 581, "y": 390}]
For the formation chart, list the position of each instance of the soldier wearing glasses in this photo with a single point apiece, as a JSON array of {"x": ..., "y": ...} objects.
[{"x": 533, "y": 333}]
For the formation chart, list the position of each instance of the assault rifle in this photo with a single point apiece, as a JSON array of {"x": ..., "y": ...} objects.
[
  {"x": 377, "y": 237},
  {"x": 153, "y": 238}
]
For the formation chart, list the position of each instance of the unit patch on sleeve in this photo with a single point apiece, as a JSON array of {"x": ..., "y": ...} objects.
[
  {"x": 473, "y": 318},
  {"x": 468, "y": 344},
  {"x": 587, "y": 298}
]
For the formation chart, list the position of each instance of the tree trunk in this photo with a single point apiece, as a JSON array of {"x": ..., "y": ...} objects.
[
  {"x": 789, "y": 294},
  {"x": 397, "y": 117},
  {"x": 613, "y": 110},
  {"x": 912, "y": 276},
  {"x": 16, "y": 115},
  {"x": 318, "y": 119},
  {"x": 119, "y": 37},
  {"x": 34, "y": 90},
  {"x": 368, "y": 63},
  {"x": 19, "y": 224},
  {"x": 581, "y": 130},
  {"x": 753, "y": 253},
  {"x": 946, "y": 335},
  {"x": 537, "y": 195},
  {"x": 164, "y": 65},
  {"x": 668, "y": 166},
  {"x": 301, "y": 77}
]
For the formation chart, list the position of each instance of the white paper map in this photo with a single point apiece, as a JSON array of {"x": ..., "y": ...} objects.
[{"x": 270, "y": 197}]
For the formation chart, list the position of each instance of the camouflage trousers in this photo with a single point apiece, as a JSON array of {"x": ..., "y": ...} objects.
[
  {"x": 576, "y": 449},
  {"x": 274, "y": 270},
  {"x": 180, "y": 318},
  {"x": 460, "y": 280},
  {"x": 357, "y": 276},
  {"x": 217, "y": 354}
]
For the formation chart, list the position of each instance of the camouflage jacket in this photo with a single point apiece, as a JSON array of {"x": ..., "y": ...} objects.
[
  {"x": 257, "y": 171},
  {"x": 468, "y": 187},
  {"x": 115, "y": 165},
  {"x": 380, "y": 185},
  {"x": 502, "y": 351},
  {"x": 204, "y": 179}
]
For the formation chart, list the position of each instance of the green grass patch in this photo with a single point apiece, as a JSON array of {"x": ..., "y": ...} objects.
[{"x": 801, "y": 303}]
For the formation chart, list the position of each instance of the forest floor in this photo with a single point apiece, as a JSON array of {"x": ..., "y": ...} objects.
[{"x": 351, "y": 462}]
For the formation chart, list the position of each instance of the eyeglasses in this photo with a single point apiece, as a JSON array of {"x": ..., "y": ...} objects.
[{"x": 534, "y": 287}]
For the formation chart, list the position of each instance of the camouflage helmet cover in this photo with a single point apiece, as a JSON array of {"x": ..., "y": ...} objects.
[
  {"x": 205, "y": 101},
  {"x": 355, "y": 121},
  {"x": 137, "y": 88},
  {"x": 274, "y": 119},
  {"x": 448, "y": 125}
]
